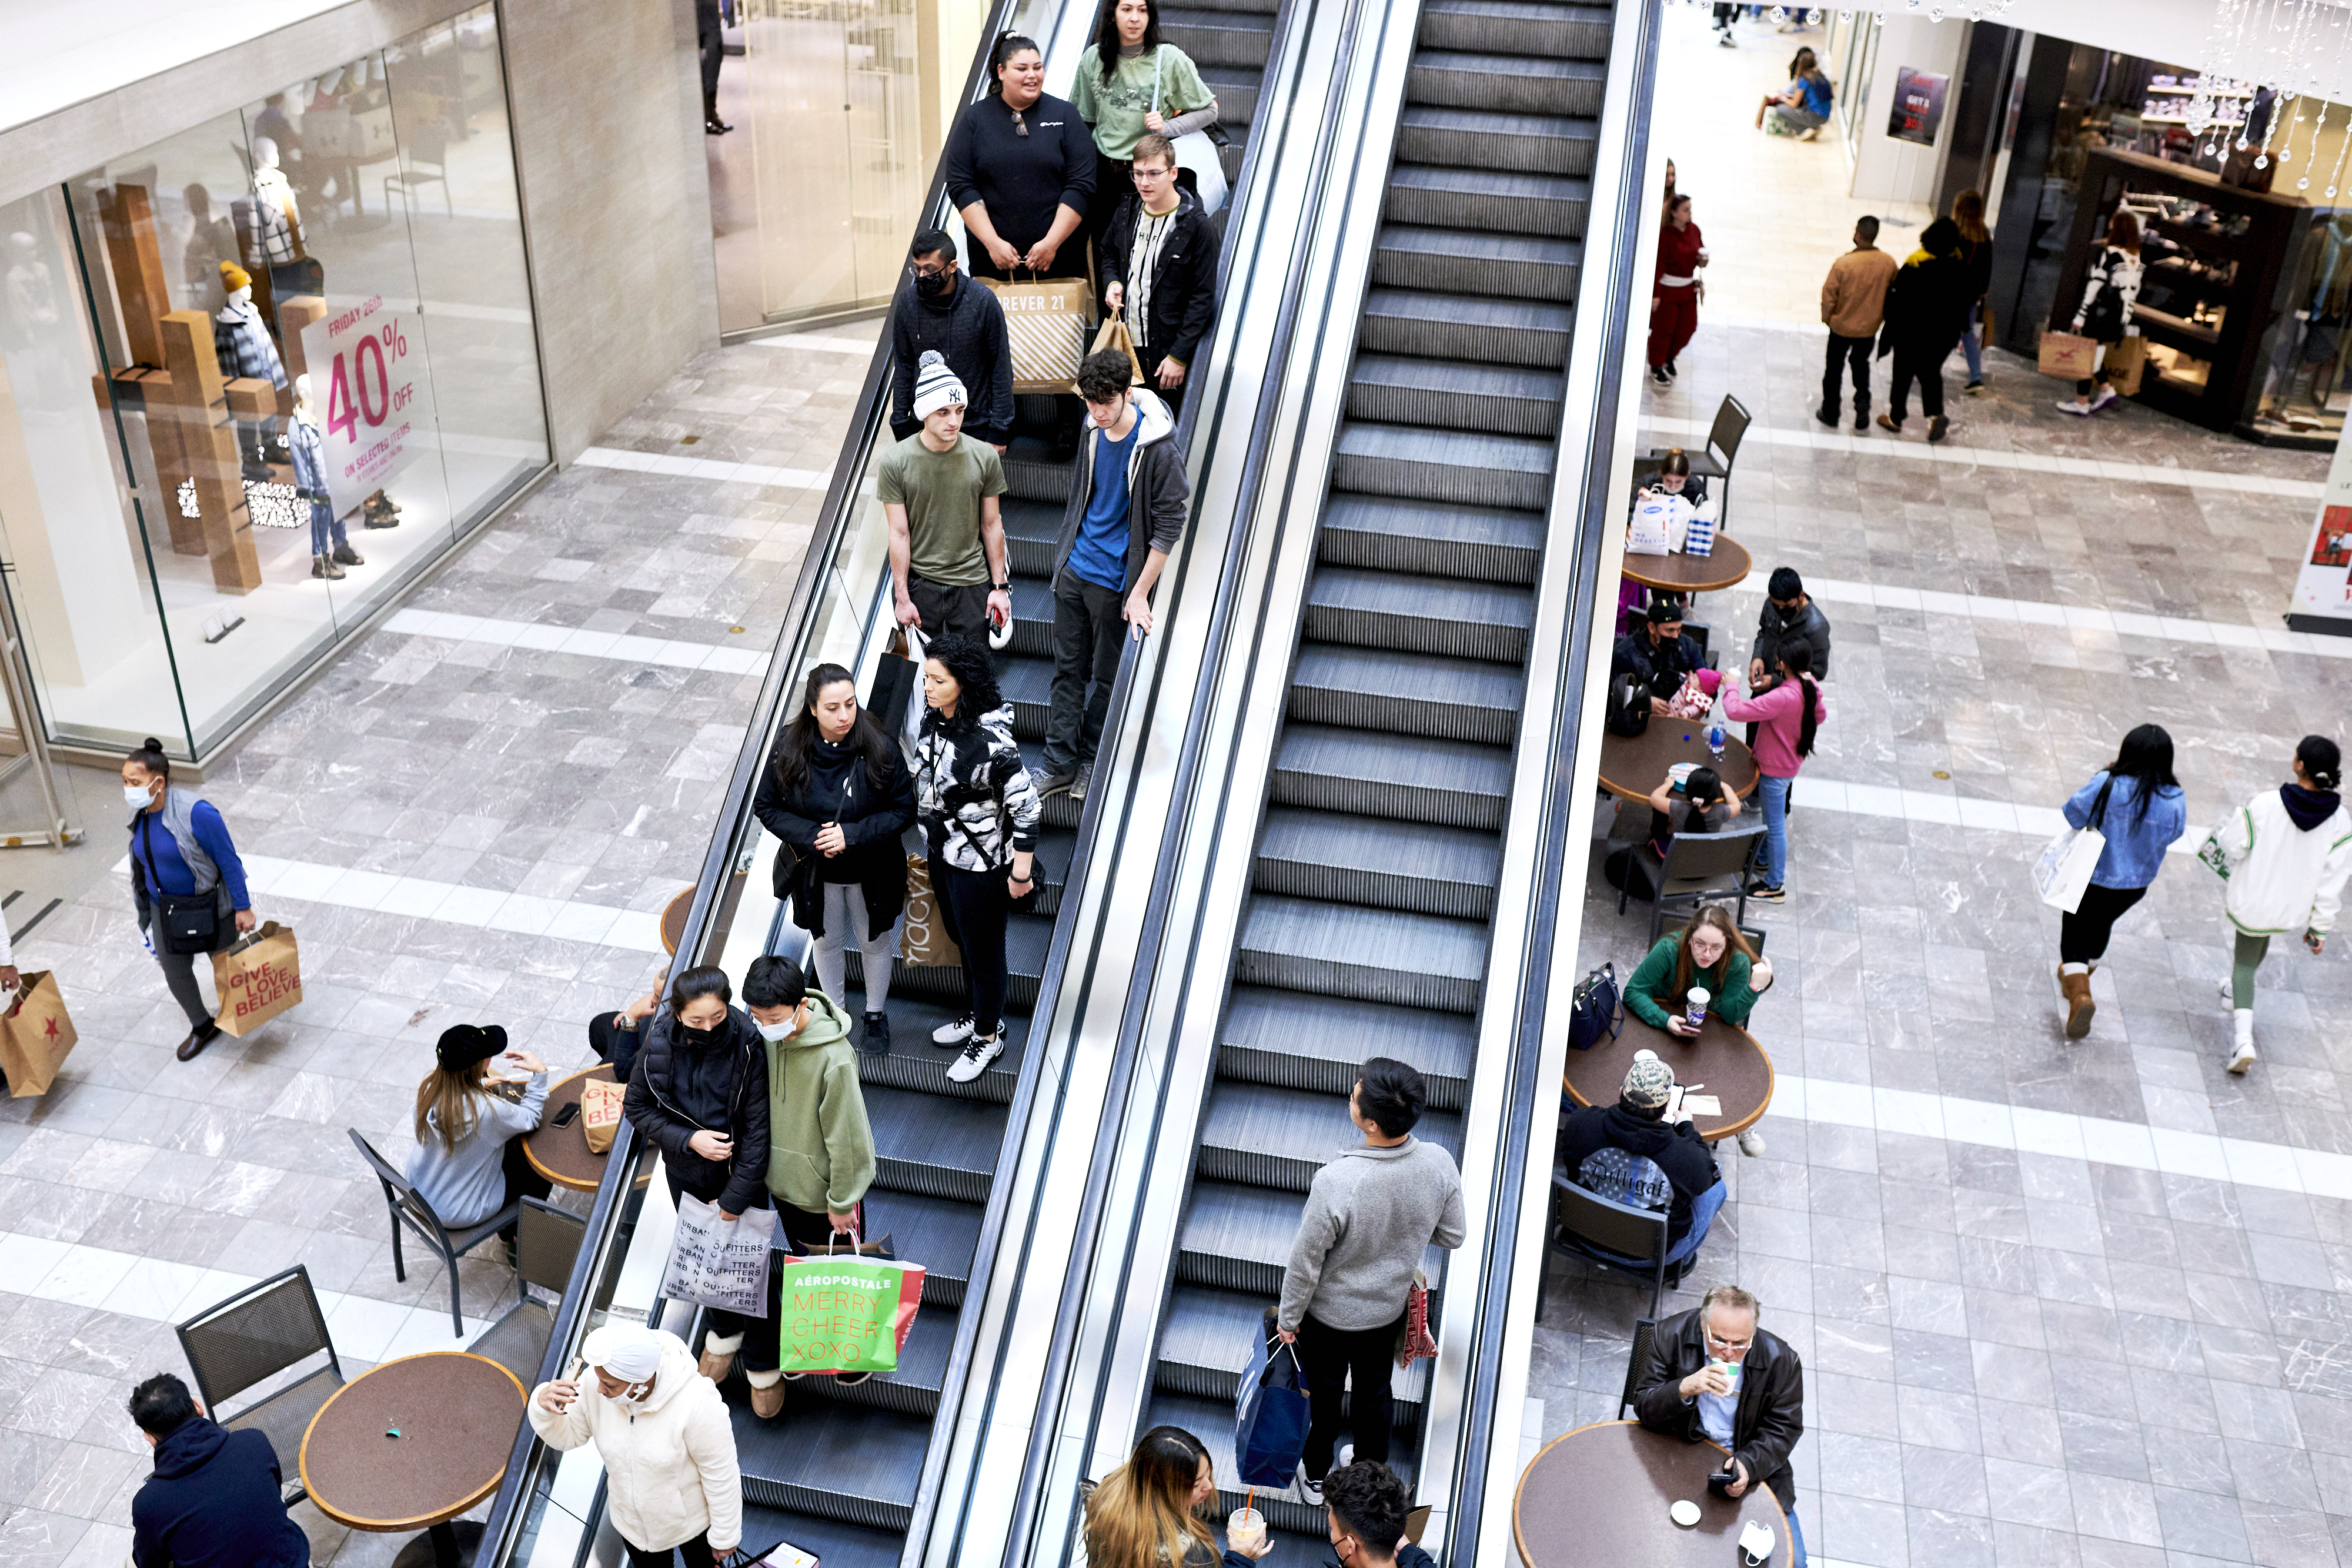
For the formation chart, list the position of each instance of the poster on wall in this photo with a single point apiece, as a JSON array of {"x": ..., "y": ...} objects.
[
  {"x": 368, "y": 392},
  {"x": 2323, "y": 584},
  {"x": 1919, "y": 111}
]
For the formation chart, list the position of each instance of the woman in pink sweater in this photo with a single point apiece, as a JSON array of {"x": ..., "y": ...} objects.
[{"x": 1787, "y": 709}]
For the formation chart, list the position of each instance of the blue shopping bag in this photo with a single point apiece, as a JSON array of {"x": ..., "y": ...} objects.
[{"x": 1270, "y": 1417}]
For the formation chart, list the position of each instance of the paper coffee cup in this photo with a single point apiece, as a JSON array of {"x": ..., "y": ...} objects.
[
  {"x": 1245, "y": 1527},
  {"x": 1696, "y": 1013}
]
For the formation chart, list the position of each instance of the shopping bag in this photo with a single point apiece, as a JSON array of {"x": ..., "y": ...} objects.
[
  {"x": 1699, "y": 535},
  {"x": 1046, "y": 323},
  {"x": 1270, "y": 1417},
  {"x": 2067, "y": 355},
  {"x": 1115, "y": 335},
  {"x": 256, "y": 978},
  {"x": 924, "y": 939},
  {"x": 897, "y": 676},
  {"x": 1414, "y": 1342},
  {"x": 715, "y": 1261},
  {"x": 843, "y": 1313},
  {"x": 1651, "y": 530},
  {"x": 2125, "y": 364},
  {"x": 35, "y": 1035},
  {"x": 782, "y": 1554},
  {"x": 600, "y": 1114},
  {"x": 2066, "y": 862}
]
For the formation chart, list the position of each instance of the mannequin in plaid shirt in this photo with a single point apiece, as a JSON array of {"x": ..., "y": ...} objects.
[{"x": 243, "y": 342}]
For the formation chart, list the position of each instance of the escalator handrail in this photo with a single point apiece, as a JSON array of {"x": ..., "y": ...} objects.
[
  {"x": 1527, "y": 1098},
  {"x": 1086, "y": 1241}
]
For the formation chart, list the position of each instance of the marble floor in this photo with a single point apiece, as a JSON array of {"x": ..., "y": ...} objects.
[
  {"x": 2062, "y": 1304},
  {"x": 475, "y": 814}
]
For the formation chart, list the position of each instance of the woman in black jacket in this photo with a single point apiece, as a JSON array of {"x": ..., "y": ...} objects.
[
  {"x": 1019, "y": 166},
  {"x": 699, "y": 1092},
  {"x": 837, "y": 791},
  {"x": 1926, "y": 311}
]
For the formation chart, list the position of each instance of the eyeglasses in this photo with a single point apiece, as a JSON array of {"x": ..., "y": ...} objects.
[{"x": 1732, "y": 1350}]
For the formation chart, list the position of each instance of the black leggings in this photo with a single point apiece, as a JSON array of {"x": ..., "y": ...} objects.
[
  {"x": 974, "y": 906},
  {"x": 1329, "y": 1357},
  {"x": 697, "y": 1550},
  {"x": 2083, "y": 935}
]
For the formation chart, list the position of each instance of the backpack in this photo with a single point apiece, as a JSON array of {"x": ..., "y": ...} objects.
[
  {"x": 1592, "y": 1008},
  {"x": 1629, "y": 704}
]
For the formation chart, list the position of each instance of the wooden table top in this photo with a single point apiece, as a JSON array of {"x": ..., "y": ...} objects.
[
  {"x": 560, "y": 1154},
  {"x": 1633, "y": 765},
  {"x": 1728, "y": 566},
  {"x": 1724, "y": 1058},
  {"x": 457, "y": 1414},
  {"x": 673, "y": 921},
  {"x": 1597, "y": 1498}
]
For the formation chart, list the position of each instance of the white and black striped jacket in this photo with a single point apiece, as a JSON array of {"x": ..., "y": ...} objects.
[{"x": 972, "y": 793}]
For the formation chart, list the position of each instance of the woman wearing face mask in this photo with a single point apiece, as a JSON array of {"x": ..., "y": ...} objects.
[
  {"x": 699, "y": 1092},
  {"x": 673, "y": 1488},
  {"x": 186, "y": 882},
  {"x": 837, "y": 790},
  {"x": 1019, "y": 167}
]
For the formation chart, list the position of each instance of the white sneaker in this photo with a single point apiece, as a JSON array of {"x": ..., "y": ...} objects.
[
  {"x": 2244, "y": 1057},
  {"x": 1310, "y": 1492},
  {"x": 2229, "y": 989},
  {"x": 981, "y": 1050},
  {"x": 2243, "y": 1021},
  {"x": 1345, "y": 1457},
  {"x": 2075, "y": 406},
  {"x": 954, "y": 1033},
  {"x": 2106, "y": 394},
  {"x": 1751, "y": 1143}
]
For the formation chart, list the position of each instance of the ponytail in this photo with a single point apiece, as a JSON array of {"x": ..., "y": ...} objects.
[
  {"x": 2323, "y": 762},
  {"x": 1703, "y": 790},
  {"x": 1798, "y": 660}
]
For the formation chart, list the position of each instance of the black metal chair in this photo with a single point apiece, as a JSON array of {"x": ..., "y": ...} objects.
[
  {"x": 546, "y": 1246},
  {"x": 247, "y": 1339},
  {"x": 409, "y": 1210},
  {"x": 427, "y": 163},
  {"x": 1644, "y": 1331},
  {"x": 1611, "y": 1234},
  {"x": 1713, "y": 461},
  {"x": 1701, "y": 866}
]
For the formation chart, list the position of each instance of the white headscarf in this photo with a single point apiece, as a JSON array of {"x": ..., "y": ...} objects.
[{"x": 626, "y": 1349}]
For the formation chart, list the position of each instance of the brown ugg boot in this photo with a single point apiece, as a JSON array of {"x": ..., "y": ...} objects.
[{"x": 2079, "y": 1006}]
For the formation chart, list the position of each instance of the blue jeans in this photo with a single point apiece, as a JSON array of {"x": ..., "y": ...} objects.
[
  {"x": 1776, "y": 829},
  {"x": 1704, "y": 1208},
  {"x": 1796, "y": 1541},
  {"x": 326, "y": 529},
  {"x": 1972, "y": 345}
]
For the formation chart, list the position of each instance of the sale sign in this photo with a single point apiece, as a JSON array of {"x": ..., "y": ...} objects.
[
  {"x": 2323, "y": 586},
  {"x": 368, "y": 383}
]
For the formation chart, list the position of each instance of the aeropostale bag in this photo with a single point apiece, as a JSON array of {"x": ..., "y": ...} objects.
[
  {"x": 35, "y": 1035},
  {"x": 844, "y": 1313},
  {"x": 257, "y": 978},
  {"x": 1045, "y": 322}
]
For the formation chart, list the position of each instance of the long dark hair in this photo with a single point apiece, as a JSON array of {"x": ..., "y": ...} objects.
[
  {"x": 1703, "y": 788},
  {"x": 1796, "y": 658},
  {"x": 2146, "y": 759},
  {"x": 1007, "y": 46},
  {"x": 798, "y": 739},
  {"x": 1106, "y": 41},
  {"x": 965, "y": 658},
  {"x": 1804, "y": 64}
]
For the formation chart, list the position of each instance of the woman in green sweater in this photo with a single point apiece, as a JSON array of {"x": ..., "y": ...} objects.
[{"x": 1709, "y": 952}]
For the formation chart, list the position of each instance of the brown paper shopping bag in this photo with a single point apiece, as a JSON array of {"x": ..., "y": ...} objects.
[
  {"x": 1045, "y": 322},
  {"x": 2066, "y": 355},
  {"x": 35, "y": 1035},
  {"x": 1115, "y": 335},
  {"x": 924, "y": 939},
  {"x": 600, "y": 1114},
  {"x": 2125, "y": 364},
  {"x": 257, "y": 978}
]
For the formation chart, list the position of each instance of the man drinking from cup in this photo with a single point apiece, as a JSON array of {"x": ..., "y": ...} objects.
[{"x": 1714, "y": 1374}]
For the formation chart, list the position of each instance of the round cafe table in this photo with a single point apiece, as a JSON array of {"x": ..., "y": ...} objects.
[
  {"x": 561, "y": 1154},
  {"x": 1724, "y": 1059},
  {"x": 1633, "y": 765},
  {"x": 411, "y": 1445},
  {"x": 1726, "y": 568},
  {"x": 1597, "y": 1498}
]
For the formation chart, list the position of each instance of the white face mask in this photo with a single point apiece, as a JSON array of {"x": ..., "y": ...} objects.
[
  {"x": 785, "y": 1030},
  {"x": 136, "y": 796}
]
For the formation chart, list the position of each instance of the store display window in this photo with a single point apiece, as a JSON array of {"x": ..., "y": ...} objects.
[
  {"x": 2305, "y": 391},
  {"x": 257, "y": 377}
]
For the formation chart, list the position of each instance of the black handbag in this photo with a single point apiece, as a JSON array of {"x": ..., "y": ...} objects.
[
  {"x": 1629, "y": 704},
  {"x": 187, "y": 921}
]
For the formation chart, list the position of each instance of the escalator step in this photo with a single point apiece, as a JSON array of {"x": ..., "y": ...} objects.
[
  {"x": 1027, "y": 682},
  {"x": 1453, "y": 394},
  {"x": 1379, "y": 864},
  {"x": 1507, "y": 266},
  {"x": 860, "y": 1465},
  {"x": 1237, "y": 90},
  {"x": 1517, "y": 27},
  {"x": 1207, "y": 1338},
  {"x": 1521, "y": 205},
  {"x": 939, "y": 1233},
  {"x": 1031, "y": 473},
  {"x": 1031, "y": 528},
  {"x": 1403, "y": 777},
  {"x": 837, "y": 1545},
  {"x": 1507, "y": 84},
  {"x": 914, "y": 1064},
  {"x": 932, "y": 1145},
  {"x": 1478, "y": 543},
  {"x": 1373, "y": 954},
  {"x": 1406, "y": 693},
  {"x": 1033, "y": 617},
  {"x": 1406, "y": 614},
  {"x": 1418, "y": 465},
  {"x": 1491, "y": 332},
  {"x": 1521, "y": 143},
  {"x": 1026, "y": 940},
  {"x": 1220, "y": 37},
  {"x": 1281, "y": 1137},
  {"x": 1318, "y": 1044},
  {"x": 1237, "y": 1236}
]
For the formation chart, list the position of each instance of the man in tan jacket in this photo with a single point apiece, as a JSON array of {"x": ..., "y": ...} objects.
[{"x": 1853, "y": 302}]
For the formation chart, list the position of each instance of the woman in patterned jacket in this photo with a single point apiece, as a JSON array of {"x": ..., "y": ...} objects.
[
  {"x": 2110, "y": 287},
  {"x": 979, "y": 813}
]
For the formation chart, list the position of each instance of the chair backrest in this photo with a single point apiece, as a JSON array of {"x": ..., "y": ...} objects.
[
  {"x": 1724, "y": 436},
  {"x": 1613, "y": 1227},
  {"x": 263, "y": 1330},
  {"x": 1644, "y": 1331},
  {"x": 1725, "y": 853},
  {"x": 547, "y": 1244},
  {"x": 397, "y": 1189}
]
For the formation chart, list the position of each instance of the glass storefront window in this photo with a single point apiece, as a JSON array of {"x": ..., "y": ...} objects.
[{"x": 276, "y": 341}]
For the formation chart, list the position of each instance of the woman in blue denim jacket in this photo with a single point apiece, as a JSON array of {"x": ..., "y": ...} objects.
[{"x": 2145, "y": 810}]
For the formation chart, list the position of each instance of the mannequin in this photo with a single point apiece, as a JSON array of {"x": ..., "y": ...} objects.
[
  {"x": 329, "y": 550},
  {"x": 246, "y": 349}
]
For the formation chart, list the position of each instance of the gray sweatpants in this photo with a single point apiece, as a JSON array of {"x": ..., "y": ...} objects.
[
  {"x": 844, "y": 922},
  {"x": 179, "y": 977}
]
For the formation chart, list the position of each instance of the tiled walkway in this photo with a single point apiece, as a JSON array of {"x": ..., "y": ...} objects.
[
  {"x": 2064, "y": 1305},
  {"x": 476, "y": 814}
]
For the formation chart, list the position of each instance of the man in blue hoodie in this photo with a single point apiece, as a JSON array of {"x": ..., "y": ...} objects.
[{"x": 215, "y": 1499}]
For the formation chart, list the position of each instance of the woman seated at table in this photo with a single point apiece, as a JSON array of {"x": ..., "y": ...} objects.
[
  {"x": 1699, "y": 803},
  {"x": 1708, "y": 952},
  {"x": 469, "y": 1163}
]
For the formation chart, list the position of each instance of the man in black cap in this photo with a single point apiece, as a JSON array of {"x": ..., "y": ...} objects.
[{"x": 469, "y": 1163}]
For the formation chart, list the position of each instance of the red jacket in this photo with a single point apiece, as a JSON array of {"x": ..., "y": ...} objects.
[{"x": 1677, "y": 253}]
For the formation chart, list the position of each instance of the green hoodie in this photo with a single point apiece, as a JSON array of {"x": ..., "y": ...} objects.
[{"x": 820, "y": 1145}]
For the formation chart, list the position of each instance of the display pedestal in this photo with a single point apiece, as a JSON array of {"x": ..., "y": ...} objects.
[{"x": 207, "y": 440}]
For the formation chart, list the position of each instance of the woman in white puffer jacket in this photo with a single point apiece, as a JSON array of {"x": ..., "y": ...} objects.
[
  {"x": 2285, "y": 855},
  {"x": 662, "y": 1430}
]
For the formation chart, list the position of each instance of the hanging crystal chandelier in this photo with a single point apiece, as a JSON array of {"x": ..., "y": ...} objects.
[{"x": 2294, "y": 51}]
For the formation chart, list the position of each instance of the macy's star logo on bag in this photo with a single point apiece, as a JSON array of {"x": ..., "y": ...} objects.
[{"x": 49, "y": 1028}]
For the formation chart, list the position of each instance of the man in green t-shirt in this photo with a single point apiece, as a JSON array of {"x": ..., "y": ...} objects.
[{"x": 938, "y": 488}]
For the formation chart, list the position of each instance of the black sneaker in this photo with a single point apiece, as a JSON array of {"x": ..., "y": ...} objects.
[
  {"x": 1052, "y": 784},
  {"x": 1673, "y": 369},
  {"x": 344, "y": 555},
  {"x": 1939, "y": 427},
  {"x": 1827, "y": 416},
  {"x": 1862, "y": 419},
  {"x": 1081, "y": 783},
  {"x": 876, "y": 1041},
  {"x": 1775, "y": 894},
  {"x": 1658, "y": 376}
]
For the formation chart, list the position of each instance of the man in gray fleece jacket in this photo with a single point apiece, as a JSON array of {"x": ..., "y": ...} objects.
[{"x": 1370, "y": 1215}]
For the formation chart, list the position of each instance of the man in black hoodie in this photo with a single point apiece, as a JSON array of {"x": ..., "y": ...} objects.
[
  {"x": 1630, "y": 1154},
  {"x": 216, "y": 1497},
  {"x": 941, "y": 309},
  {"x": 1927, "y": 314}
]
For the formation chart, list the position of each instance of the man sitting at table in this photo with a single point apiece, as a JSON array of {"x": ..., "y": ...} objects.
[
  {"x": 216, "y": 1497},
  {"x": 1714, "y": 1374},
  {"x": 1630, "y": 1153},
  {"x": 1659, "y": 652}
]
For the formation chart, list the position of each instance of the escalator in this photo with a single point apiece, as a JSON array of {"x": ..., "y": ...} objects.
[{"x": 1367, "y": 924}]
